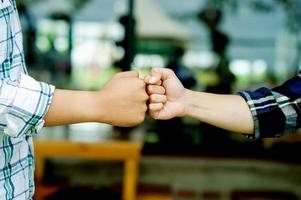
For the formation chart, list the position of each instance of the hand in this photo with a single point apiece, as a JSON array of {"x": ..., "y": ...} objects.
[
  {"x": 168, "y": 105},
  {"x": 124, "y": 99}
]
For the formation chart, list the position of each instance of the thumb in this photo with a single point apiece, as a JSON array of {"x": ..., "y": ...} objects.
[
  {"x": 153, "y": 79},
  {"x": 159, "y": 74},
  {"x": 127, "y": 74}
]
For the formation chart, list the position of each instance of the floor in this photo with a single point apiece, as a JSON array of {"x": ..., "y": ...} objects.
[{"x": 187, "y": 175}]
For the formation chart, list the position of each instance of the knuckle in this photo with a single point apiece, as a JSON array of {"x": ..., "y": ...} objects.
[
  {"x": 160, "y": 90},
  {"x": 153, "y": 97},
  {"x": 152, "y": 107},
  {"x": 150, "y": 89}
]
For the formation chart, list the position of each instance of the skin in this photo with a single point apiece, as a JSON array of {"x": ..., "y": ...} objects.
[
  {"x": 229, "y": 112},
  {"x": 122, "y": 102}
]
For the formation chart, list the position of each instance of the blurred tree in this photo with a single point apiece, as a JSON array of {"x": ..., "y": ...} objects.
[
  {"x": 128, "y": 42},
  {"x": 291, "y": 8}
]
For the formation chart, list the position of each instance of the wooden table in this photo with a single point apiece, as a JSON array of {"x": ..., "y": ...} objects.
[{"x": 128, "y": 152}]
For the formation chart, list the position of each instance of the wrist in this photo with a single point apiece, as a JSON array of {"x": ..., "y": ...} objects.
[
  {"x": 187, "y": 101},
  {"x": 69, "y": 107},
  {"x": 100, "y": 103},
  {"x": 93, "y": 106}
]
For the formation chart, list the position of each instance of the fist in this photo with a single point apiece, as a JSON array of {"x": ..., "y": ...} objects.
[
  {"x": 169, "y": 104},
  {"x": 125, "y": 100}
]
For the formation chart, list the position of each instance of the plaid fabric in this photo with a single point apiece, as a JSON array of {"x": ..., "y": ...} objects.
[
  {"x": 276, "y": 111},
  {"x": 23, "y": 104}
]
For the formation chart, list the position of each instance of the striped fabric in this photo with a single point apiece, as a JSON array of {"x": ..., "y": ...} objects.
[
  {"x": 23, "y": 104},
  {"x": 276, "y": 111}
]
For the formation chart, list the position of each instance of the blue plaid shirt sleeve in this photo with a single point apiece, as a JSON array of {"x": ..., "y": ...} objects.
[
  {"x": 23, "y": 105},
  {"x": 275, "y": 111}
]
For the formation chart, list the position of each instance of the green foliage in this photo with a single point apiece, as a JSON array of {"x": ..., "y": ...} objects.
[{"x": 80, "y": 3}]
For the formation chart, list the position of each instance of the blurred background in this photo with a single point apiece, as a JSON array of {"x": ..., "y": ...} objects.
[{"x": 219, "y": 46}]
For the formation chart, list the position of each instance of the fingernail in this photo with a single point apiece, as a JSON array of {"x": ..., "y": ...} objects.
[{"x": 152, "y": 79}]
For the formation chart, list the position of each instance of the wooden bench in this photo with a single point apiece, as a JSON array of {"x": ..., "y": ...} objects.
[{"x": 128, "y": 152}]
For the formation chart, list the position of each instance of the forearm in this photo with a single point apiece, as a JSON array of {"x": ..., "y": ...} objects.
[
  {"x": 229, "y": 112},
  {"x": 122, "y": 102},
  {"x": 70, "y": 107}
]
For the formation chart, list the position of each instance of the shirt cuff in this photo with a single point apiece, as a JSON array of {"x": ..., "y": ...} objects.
[
  {"x": 30, "y": 105},
  {"x": 256, "y": 135}
]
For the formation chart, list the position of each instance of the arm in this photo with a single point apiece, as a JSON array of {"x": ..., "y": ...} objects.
[
  {"x": 275, "y": 111},
  {"x": 225, "y": 111},
  {"x": 70, "y": 107},
  {"x": 26, "y": 104},
  {"x": 261, "y": 113},
  {"x": 122, "y": 103},
  {"x": 229, "y": 112}
]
